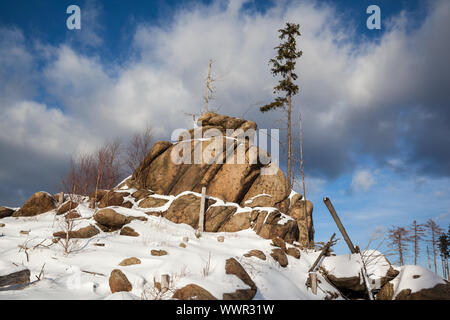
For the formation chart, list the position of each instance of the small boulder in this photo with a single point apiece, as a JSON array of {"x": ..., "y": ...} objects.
[
  {"x": 182, "y": 245},
  {"x": 113, "y": 198},
  {"x": 278, "y": 242},
  {"x": 83, "y": 233},
  {"x": 293, "y": 252},
  {"x": 193, "y": 292},
  {"x": 127, "y": 231},
  {"x": 21, "y": 277},
  {"x": 279, "y": 256},
  {"x": 38, "y": 203},
  {"x": 158, "y": 253},
  {"x": 69, "y": 205},
  {"x": 232, "y": 266},
  {"x": 130, "y": 261},
  {"x": 73, "y": 214},
  {"x": 221, "y": 238},
  {"x": 111, "y": 219},
  {"x": 255, "y": 253},
  {"x": 141, "y": 194},
  {"x": 119, "y": 282}
]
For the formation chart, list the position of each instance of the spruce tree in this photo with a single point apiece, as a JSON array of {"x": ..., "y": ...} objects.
[{"x": 284, "y": 65}]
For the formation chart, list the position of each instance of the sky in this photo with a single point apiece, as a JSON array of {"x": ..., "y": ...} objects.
[{"x": 374, "y": 103}]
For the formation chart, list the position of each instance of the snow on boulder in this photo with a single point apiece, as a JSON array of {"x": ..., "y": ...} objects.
[
  {"x": 415, "y": 283},
  {"x": 344, "y": 272}
]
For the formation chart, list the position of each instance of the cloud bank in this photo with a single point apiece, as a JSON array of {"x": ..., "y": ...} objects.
[{"x": 383, "y": 100}]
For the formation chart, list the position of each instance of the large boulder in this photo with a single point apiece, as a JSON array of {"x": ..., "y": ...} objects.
[
  {"x": 302, "y": 211},
  {"x": 271, "y": 224},
  {"x": 113, "y": 198},
  {"x": 152, "y": 202},
  {"x": 6, "y": 212},
  {"x": 269, "y": 191},
  {"x": 216, "y": 216},
  {"x": 184, "y": 209},
  {"x": 39, "y": 203}
]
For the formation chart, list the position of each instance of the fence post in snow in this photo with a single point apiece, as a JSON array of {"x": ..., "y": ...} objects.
[
  {"x": 201, "y": 217},
  {"x": 165, "y": 281},
  {"x": 60, "y": 198},
  {"x": 313, "y": 282}
]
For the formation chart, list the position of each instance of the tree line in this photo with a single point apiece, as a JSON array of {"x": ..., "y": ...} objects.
[
  {"x": 107, "y": 166},
  {"x": 404, "y": 239}
]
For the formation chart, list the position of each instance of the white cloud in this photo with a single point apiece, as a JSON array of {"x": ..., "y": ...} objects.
[{"x": 362, "y": 180}]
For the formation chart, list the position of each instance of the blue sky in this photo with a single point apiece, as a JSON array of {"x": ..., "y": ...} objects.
[{"x": 375, "y": 103}]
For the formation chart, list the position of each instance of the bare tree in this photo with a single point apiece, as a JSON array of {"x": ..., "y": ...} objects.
[
  {"x": 138, "y": 148},
  {"x": 417, "y": 233},
  {"x": 91, "y": 171},
  {"x": 399, "y": 238},
  {"x": 209, "y": 86},
  {"x": 433, "y": 231}
]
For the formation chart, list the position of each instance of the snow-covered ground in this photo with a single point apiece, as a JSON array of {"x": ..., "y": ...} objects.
[{"x": 84, "y": 273}]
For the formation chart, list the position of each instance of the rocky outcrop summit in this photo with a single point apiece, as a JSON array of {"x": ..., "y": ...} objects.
[{"x": 245, "y": 184}]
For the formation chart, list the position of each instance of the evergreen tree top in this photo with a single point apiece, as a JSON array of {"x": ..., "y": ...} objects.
[{"x": 284, "y": 64}]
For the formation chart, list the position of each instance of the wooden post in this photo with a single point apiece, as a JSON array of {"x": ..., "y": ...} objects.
[
  {"x": 322, "y": 253},
  {"x": 165, "y": 281},
  {"x": 313, "y": 282},
  {"x": 201, "y": 217},
  {"x": 339, "y": 225},
  {"x": 60, "y": 198}
]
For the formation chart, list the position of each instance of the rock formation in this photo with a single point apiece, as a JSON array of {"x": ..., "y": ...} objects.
[{"x": 243, "y": 183}]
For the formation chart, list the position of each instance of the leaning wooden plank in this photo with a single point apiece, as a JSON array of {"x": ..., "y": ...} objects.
[
  {"x": 339, "y": 225},
  {"x": 15, "y": 278}
]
